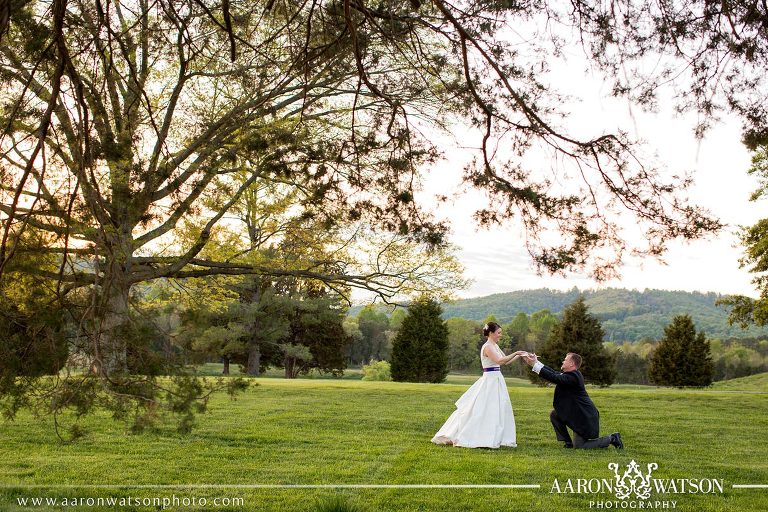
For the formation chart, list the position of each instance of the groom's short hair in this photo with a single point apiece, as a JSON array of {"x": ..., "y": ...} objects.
[{"x": 576, "y": 358}]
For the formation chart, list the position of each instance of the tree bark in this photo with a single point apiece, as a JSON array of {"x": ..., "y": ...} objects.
[
  {"x": 111, "y": 329},
  {"x": 289, "y": 364},
  {"x": 254, "y": 358},
  {"x": 112, "y": 321},
  {"x": 226, "y": 366},
  {"x": 254, "y": 351}
]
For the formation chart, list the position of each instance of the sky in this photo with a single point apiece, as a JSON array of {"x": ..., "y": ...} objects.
[{"x": 496, "y": 260}]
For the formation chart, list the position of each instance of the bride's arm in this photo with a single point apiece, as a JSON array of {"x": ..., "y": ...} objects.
[
  {"x": 493, "y": 355},
  {"x": 514, "y": 356}
]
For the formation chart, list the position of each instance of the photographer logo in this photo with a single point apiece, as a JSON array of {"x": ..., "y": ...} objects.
[{"x": 636, "y": 488}]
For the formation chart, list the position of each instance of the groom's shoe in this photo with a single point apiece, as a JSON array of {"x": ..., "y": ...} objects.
[
  {"x": 568, "y": 445},
  {"x": 616, "y": 441}
]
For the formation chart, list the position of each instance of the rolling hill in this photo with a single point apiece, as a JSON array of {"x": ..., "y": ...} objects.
[{"x": 626, "y": 315}]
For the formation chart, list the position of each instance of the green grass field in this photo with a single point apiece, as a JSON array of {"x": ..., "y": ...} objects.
[
  {"x": 325, "y": 432},
  {"x": 757, "y": 383}
]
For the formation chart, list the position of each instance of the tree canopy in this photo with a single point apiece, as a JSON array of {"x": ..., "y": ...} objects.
[
  {"x": 747, "y": 311},
  {"x": 122, "y": 124},
  {"x": 131, "y": 131}
]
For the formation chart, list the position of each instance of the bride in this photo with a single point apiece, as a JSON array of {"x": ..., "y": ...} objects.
[{"x": 483, "y": 415}]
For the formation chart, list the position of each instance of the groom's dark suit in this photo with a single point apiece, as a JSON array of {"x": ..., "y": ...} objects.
[{"x": 574, "y": 409}]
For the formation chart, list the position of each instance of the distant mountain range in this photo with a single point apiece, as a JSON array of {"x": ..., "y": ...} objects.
[{"x": 626, "y": 315}]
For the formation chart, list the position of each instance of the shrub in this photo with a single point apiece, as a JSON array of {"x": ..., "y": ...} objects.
[{"x": 377, "y": 370}]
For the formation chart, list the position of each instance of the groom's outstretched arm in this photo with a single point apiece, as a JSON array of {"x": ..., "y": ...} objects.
[{"x": 547, "y": 373}]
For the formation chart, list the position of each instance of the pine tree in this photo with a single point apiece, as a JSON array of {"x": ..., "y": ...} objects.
[
  {"x": 703, "y": 366},
  {"x": 580, "y": 332},
  {"x": 682, "y": 357},
  {"x": 420, "y": 349}
]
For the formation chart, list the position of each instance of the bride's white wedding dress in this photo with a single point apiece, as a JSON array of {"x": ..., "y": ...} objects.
[{"x": 483, "y": 417}]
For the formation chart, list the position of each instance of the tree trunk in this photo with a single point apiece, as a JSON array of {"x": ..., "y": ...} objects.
[
  {"x": 254, "y": 358},
  {"x": 254, "y": 351},
  {"x": 225, "y": 371},
  {"x": 111, "y": 330},
  {"x": 112, "y": 321}
]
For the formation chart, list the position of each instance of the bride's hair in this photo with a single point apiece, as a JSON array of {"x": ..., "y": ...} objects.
[{"x": 490, "y": 327}]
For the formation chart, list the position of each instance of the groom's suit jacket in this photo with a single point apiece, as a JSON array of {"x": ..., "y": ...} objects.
[{"x": 572, "y": 403}]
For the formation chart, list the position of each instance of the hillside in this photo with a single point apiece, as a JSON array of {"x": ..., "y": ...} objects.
[
  {"x": 627, "y": 315},
  {"x": 754, "y": 383}
]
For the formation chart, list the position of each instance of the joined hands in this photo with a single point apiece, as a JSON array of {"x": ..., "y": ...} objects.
[
  {"x": 528, "y": 357},
  {"x": 515, "y": 356}
]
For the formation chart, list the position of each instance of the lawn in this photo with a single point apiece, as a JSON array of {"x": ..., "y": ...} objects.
[
  {"x": 328, "y": 432},
  {"x": 757, "y": 383}
]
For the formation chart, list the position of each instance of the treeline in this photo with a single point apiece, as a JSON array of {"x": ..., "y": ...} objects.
[
  {"x": 425, "y": 348},
  {"x": 256, "y": 323},
  {"x": 371, "y": 334},
  {"x": 301, "y": 325},
  {"x": 731, "y": 357},
  {"x": 626, "y": 315}
]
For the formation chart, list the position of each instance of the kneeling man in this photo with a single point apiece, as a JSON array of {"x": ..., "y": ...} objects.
[{"x": 572, "y": 406}]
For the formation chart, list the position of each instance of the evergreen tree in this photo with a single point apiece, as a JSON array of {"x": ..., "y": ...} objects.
[
  {"x": 317, "y": 324},
  {"x": 420, "y": 349},
  {"x": 682, "y": 358},
  {"x": 580, "y": 332},
  {"x": 701, "y": 362}
]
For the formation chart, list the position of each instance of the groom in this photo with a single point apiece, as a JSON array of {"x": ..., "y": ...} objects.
[{"x": 573, "y": 407}]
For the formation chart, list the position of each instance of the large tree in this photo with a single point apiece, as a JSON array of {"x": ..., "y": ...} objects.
[
  {"x": 540, "y": 328},
  {"x": 420, "y": 349},
  {"x": 580, "y": 332},
  {"x": 518, "y": 329},
  {"x": 122, "y": 120},
  {"x": 747, "y": 310},
  {"x": 151, "y": 123},
  {"x": 316, "y": 328},
  {"x": 682, "y": 357},
  {"x": 150, "y": 108}
]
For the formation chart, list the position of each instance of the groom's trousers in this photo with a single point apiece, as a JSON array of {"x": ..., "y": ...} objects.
[{"x": 561, "y": 430}]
